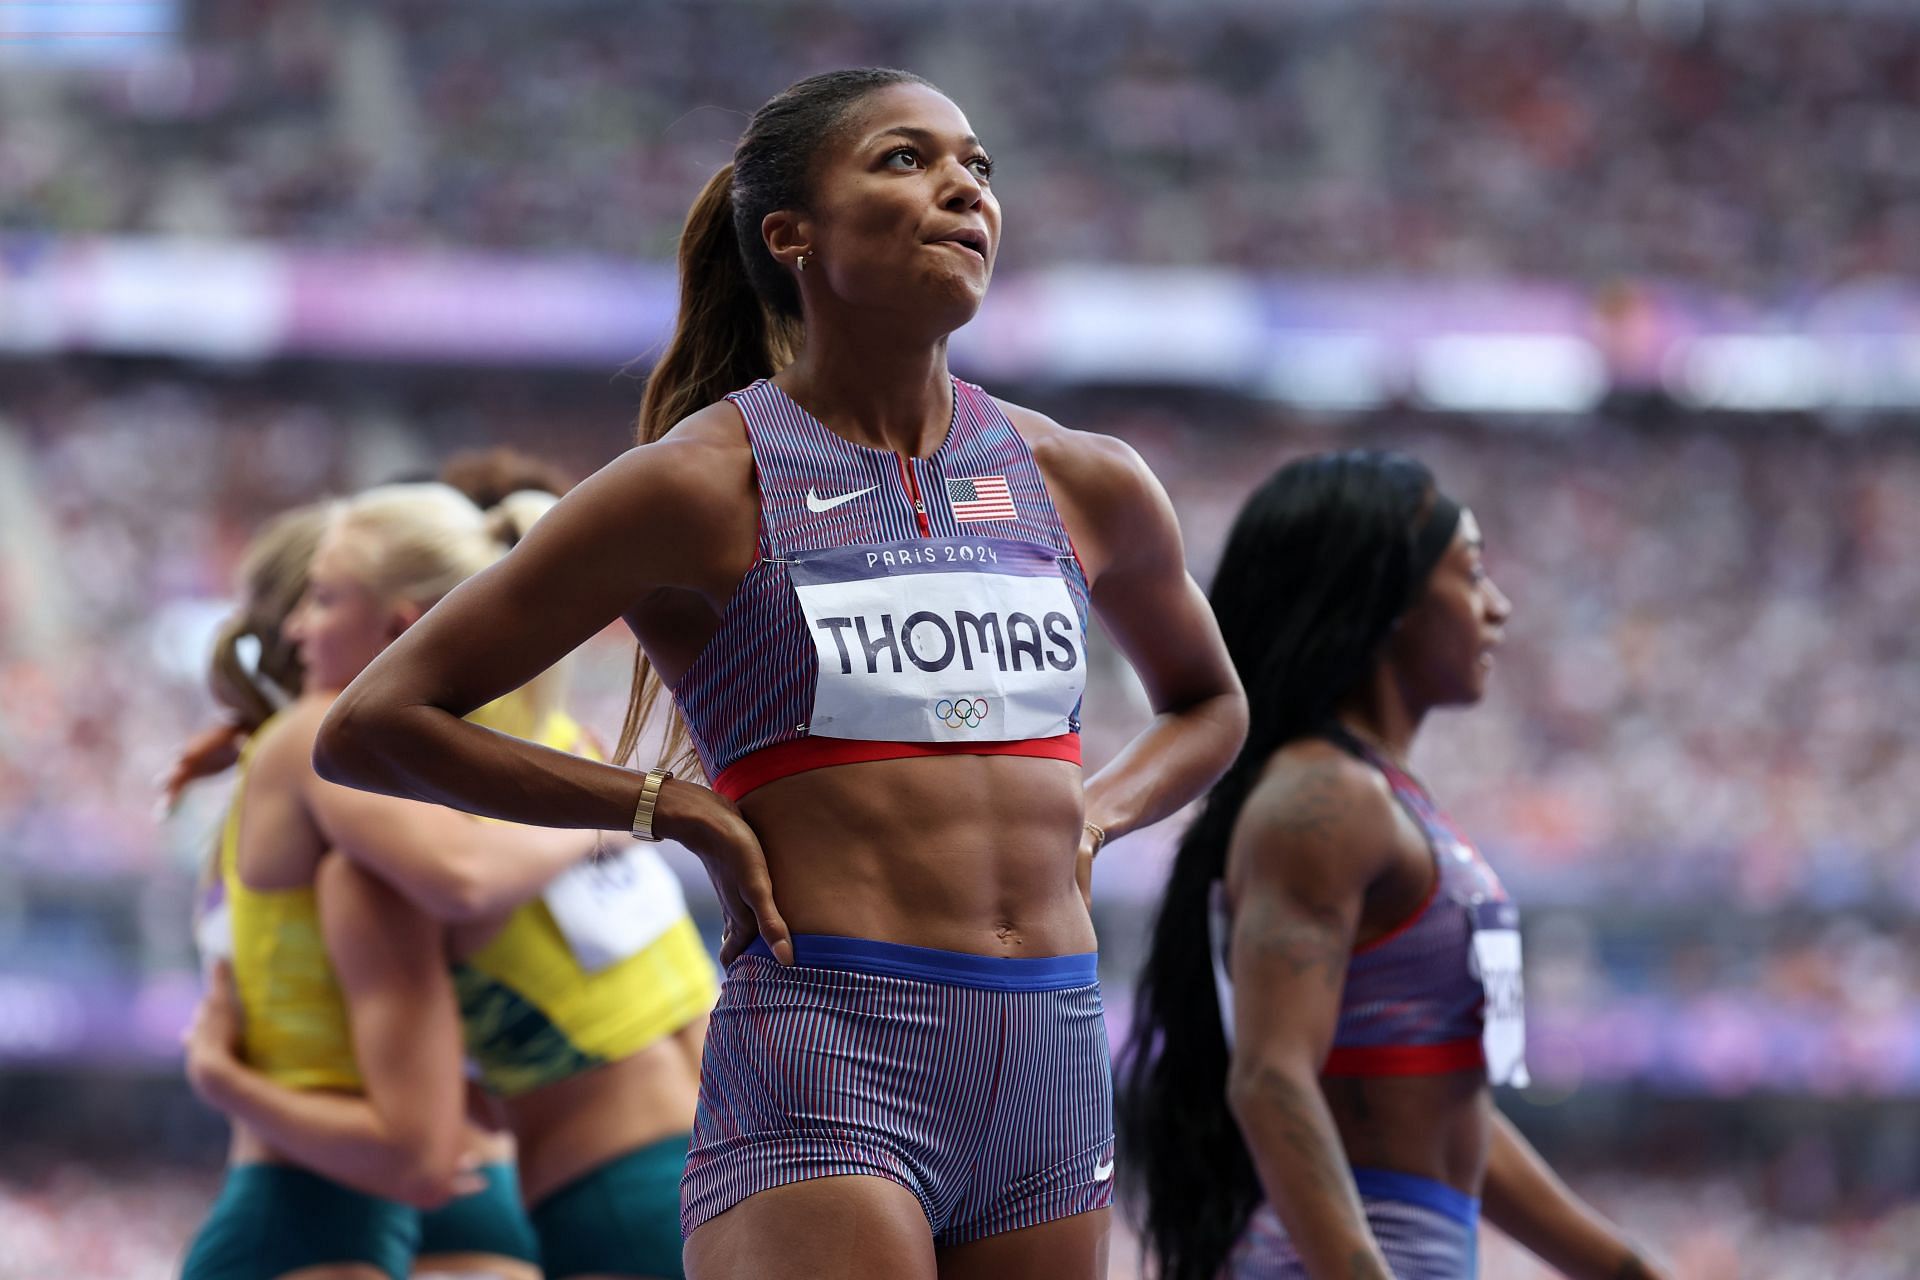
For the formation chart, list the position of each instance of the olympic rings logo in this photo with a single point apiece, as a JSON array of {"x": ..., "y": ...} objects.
[{"x": 961, "y": 713}]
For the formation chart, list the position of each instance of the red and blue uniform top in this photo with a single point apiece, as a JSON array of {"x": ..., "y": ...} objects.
[
  {"x": 896, "y": 606},
  {"x": 1442, "y": 991}
]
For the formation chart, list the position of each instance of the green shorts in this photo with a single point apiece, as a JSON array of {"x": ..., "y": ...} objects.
[
  {"x": 490, "y": 1221},
  {"x": 271, "y": 1219},
  {"x": 621, "y": 1219}
]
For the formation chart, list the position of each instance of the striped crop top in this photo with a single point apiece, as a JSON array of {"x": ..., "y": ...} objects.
[
  {"x": 896, "y": 606},
  {"x": 1442, "y": 990}
]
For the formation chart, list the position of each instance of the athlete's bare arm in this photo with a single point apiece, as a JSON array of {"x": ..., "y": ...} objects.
[
  {"x": 1525, "y": 1199},
  {"x": 405, "y": 1138},
  {"x": 661, "y": 537},
  {"x": 452, "y": 866},
  {"x": 1128, "y": 538},
  {"x": 1317, "y": 830}
]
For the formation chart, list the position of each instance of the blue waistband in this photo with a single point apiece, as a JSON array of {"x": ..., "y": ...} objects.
[
  {"x": 1411, "y": 1188},
  {"x": 925, "y": 964}
]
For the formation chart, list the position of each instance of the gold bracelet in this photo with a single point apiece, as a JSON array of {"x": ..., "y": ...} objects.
[
  {"x": 1099, "y": 836},
  {"x": 649, "y": 797}
]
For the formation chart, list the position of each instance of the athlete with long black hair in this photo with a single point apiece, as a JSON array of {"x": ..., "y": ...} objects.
[{"x": 1331, "y": 1113}]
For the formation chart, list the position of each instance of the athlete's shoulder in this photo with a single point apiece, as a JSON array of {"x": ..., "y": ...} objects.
[
  {"x": 289, "y": 734},
  {"x": 692, "y": 473},
  {"x": 1074, "y": 454},
  {"x": 1113, "y": 506},
  {"x": 1314, "y": 799}
]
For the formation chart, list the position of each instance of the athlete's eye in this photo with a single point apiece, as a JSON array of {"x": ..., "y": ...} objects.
[
  {"x": 906, "y": 154},
  {"x": 982, "y": 167}
]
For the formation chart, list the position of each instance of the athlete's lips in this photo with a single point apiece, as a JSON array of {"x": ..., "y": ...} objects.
[{"x": 966, "y": 238}]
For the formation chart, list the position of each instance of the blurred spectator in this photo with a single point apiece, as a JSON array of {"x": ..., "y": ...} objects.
[{"x": 1757, "y": 149}]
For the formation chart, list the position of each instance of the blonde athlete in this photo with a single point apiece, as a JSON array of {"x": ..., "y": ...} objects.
[
  {"x": 584, "y": 1008},
  {"x": 346, "y": 1014}
]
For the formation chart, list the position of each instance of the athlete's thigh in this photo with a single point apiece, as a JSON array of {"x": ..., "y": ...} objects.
[
  {"x": 1071, "y": 1248},
  {"x": 473, "y": 1266},
  {"x": 336, "y": 1271},
  {"x": 854, "y": 1226}
]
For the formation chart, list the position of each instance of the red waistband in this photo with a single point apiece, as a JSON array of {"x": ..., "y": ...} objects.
[
  {"x": 786, "y": 758},
  {"x": 1406, "y": 1059}
]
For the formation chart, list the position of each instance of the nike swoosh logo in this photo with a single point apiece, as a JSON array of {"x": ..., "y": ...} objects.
[
  {"x": 1101, "y": 1172},
  {"x": 818, "y": 504}
]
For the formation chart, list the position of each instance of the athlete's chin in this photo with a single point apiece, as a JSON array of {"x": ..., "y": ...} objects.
[{"x": 956, "y": 295}]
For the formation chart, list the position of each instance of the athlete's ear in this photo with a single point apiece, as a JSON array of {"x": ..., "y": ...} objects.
[{"x": 788, "y": 235}]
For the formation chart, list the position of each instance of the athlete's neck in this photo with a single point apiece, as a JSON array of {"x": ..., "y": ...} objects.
[
  {"x": 1380, "y": 714},
  {"x": 874, "y": 393}
]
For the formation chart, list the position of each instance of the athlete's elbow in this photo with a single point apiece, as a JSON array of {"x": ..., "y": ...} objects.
[
  {"x": 344, "y": 750},
  {"x": 1256, "y": 1084},
  {"x": 465, "y": 894}
]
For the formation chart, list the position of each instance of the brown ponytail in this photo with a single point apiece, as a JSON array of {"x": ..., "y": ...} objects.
[
  {"x": 739, "y": 315},
  {"x": 273, "y": 577}
]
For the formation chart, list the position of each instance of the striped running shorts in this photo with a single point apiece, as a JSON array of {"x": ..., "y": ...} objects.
[
  {"x": 1426, "y": 1229},
  {"x": 981, "y": 1085}
]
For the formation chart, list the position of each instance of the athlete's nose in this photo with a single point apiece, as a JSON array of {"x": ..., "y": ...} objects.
[{"x": 964, "y": 190}]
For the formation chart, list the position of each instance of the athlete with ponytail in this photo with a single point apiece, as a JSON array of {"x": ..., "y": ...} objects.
[
  {"x": 1330, "y": 1115},
  {"x": 331, "y": 1036},
  {"x": 867, "y": 585},
  {"x": 582, "y": 1002}
]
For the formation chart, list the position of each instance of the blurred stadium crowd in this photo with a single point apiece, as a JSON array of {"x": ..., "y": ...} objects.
[
  {"x": 1695, "y": 767},
  {"x": 1566, "y": 141},
  {"x": 1710, "y": 693}
]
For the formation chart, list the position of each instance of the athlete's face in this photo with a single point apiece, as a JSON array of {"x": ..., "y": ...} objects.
[
  {"x": 1443, "y": 650},
  {"x": 340, "y": 624},
  {"x": 902, "y": 217}
]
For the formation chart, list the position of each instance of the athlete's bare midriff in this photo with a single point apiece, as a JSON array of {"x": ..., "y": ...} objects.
[
  {"x": 1435, "y": 1126},
  {"x": 573, "y": 1126},
  {"x": 962, "y": 853}
]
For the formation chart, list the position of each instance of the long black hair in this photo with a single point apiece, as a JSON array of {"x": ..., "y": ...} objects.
[{"x": 1322, "y": 560}]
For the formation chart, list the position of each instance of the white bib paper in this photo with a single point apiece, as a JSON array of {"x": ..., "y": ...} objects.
[
  {"x": 942, "y": 640},
  {"x": 1496, "y": 962},
  {"x": 213, "y": 934},
  {"x": 613, "y": 907}
]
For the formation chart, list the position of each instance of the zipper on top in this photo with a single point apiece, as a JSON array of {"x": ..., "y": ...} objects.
[{"x": 913, "y": 491}]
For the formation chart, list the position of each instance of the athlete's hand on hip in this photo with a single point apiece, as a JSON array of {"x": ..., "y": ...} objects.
[
  {"x": 708, "y": 824},
  {"x": 1083, "y": 864}
]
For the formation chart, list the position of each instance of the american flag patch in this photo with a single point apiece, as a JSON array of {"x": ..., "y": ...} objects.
[{"x": 980, "y": 498}]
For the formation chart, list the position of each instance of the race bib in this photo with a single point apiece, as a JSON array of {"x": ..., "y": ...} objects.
[
  {"x": 613, "y": 907},
  {"x": 942, "y": 640},
  {"x": 213, "y": 933},
  {"x": 1496, "y": 962}
]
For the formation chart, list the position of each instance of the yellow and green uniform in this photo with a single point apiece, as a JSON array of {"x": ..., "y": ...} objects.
[
  {"x": 271, "y": 1219},
  {"x": 532, "y": 1013},
  {"x": 294, "y": 1028}
]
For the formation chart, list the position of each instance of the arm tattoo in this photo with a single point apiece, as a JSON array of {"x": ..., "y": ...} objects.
[
  {"x": 1295, "y": 1110},
  {"x": 1298, "y": 948},
  {"x": 1312, "y": 807}
]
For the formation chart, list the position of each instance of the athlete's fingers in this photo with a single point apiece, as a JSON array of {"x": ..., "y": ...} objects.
[
  {"x": 739, "y": 932},
  {"x": 756, "y": 886}
]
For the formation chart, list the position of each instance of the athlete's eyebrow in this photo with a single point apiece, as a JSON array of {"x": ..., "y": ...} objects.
[{"x": 924, "y": 137}]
